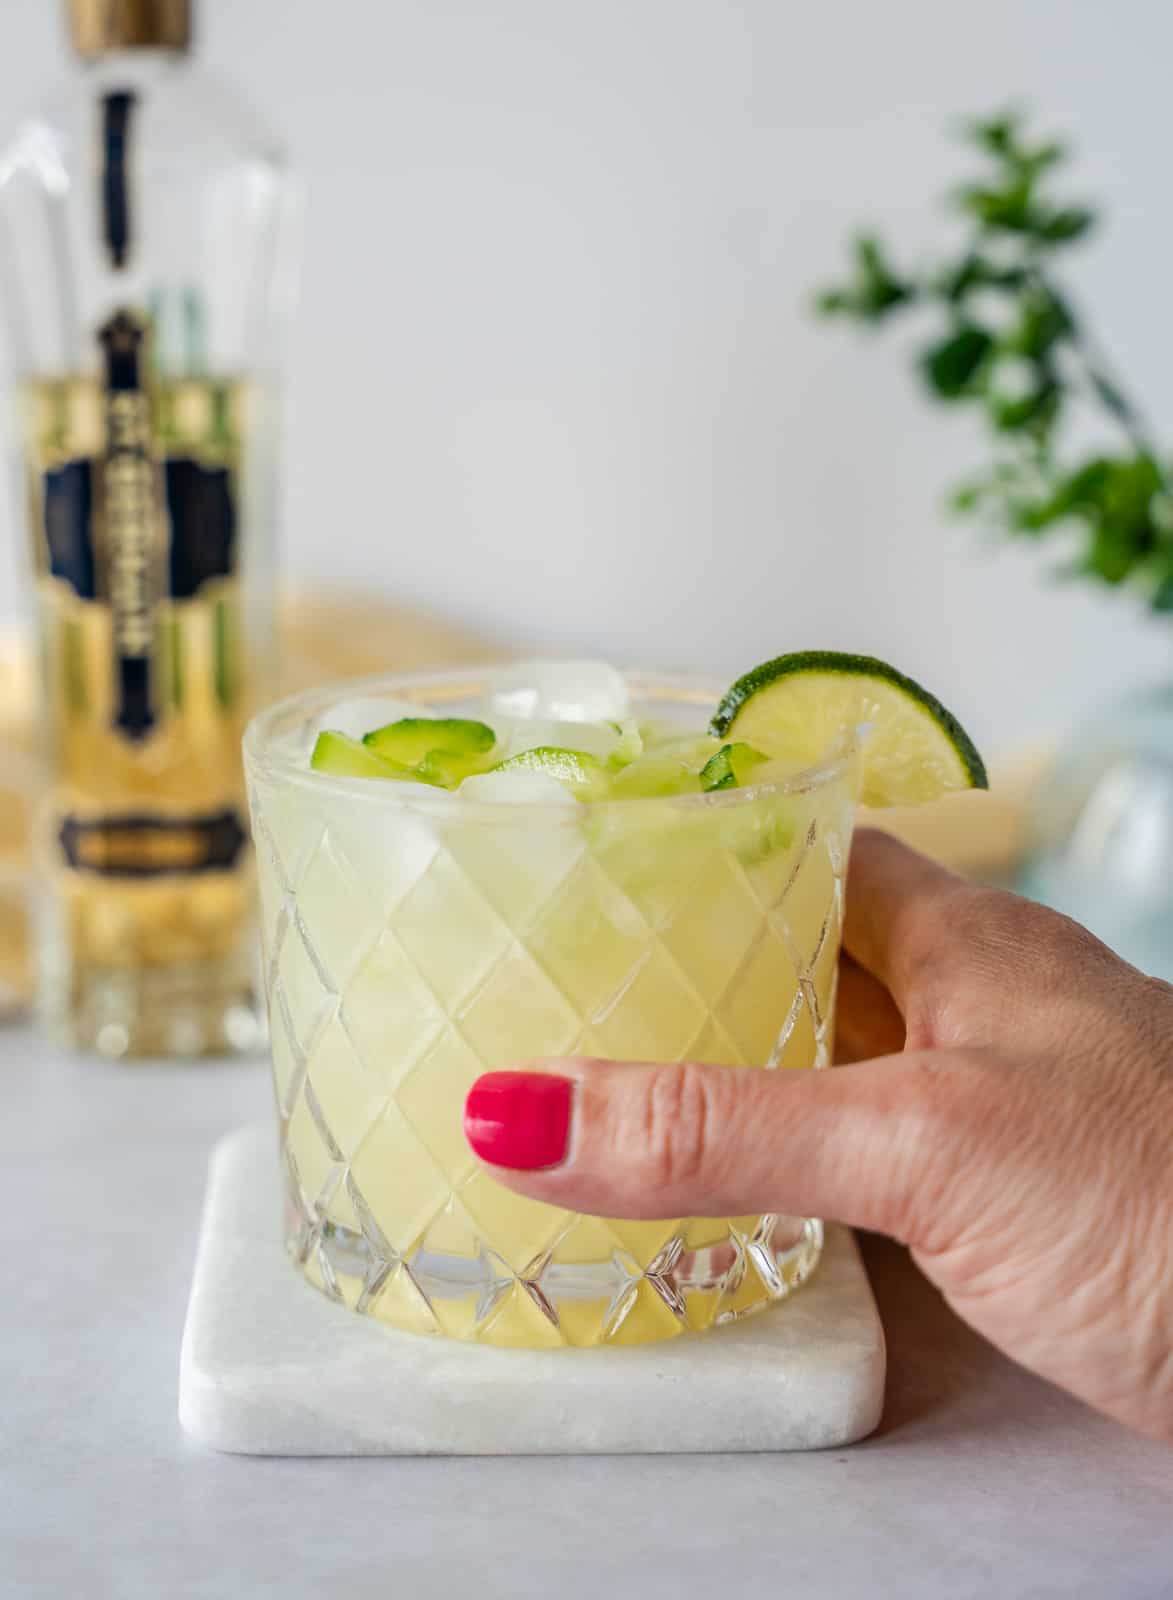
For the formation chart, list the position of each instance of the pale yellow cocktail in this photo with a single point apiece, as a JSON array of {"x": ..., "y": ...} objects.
[{"x": 416, "y": 939}]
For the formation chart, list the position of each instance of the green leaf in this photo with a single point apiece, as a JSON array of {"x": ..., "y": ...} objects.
[
  {"x": 1035, "y": 410},
  {"x": 1129, "y": 488},
  {"x": 1043, "y": 156},
  {"x": 1111, "y": 554},
  {"x": 1009, "y": 209},
  {"x": 874, "y": 290},
  {"x": 967, "y": 497},
  {"x": 1036, "y": 516},
  {"x": 997, "y": 134},
  {"x": 879, "y": 285},
  {"x": 1045, "y": 319},
  {"x": 1086, "y": 486},
  {"x": 1064, "y": 226},
  {"x": 1121, "y": 488},
  {"x": 1001, "y": 137},
  {"x": 976, "y": 271},
  {"x": 833, "y": 303},
  {"x": 1014, "y": 208},
  {"x": 1119, "y": 503},
  {"x": 1117, "y": 499},
  {"x": 951, "y": 366}
]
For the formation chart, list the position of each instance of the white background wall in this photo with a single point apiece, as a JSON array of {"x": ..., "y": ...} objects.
[{"x": 554, "y": 370}]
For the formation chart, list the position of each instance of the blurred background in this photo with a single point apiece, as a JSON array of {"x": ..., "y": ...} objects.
[{"x": 554, "y": 371}]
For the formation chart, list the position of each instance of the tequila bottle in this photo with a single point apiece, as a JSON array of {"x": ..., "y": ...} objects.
[{"x": 143, "y": 276}]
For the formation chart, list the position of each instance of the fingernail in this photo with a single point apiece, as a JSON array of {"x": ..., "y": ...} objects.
[{"x": 519, "y": 1119}]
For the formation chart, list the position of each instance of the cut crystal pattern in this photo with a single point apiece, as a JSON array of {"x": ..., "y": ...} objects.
[{"x": 404, "y": 959}]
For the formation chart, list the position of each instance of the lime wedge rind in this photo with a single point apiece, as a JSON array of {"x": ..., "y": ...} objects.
[{"x": 902, "y": 712}]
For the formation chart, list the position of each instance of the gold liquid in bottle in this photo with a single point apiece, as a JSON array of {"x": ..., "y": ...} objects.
[
  {"x": 144, "y": 248},
  {"x": 149, "y": 680}
]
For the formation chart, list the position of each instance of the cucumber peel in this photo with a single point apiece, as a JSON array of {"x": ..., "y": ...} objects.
[
  {"x": 731, "y": 768},
  {"x": 411, "y": 739},
  {"x": 343, "y": 757}
]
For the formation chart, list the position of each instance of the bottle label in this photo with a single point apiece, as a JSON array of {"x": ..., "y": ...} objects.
[
  {"x": 200, "y": 501},
  {"x": 135, "y": 485},
  {"x": 147, "y": 846},
  {"x": 138, "y": 490},
  {"x": 133, "y": 532}
]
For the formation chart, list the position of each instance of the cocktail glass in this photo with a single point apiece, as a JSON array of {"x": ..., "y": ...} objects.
[{"x": 414, "y": 939}]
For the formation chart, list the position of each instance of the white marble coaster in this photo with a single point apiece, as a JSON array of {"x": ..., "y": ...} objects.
[{"x": 271, "y": 1367}]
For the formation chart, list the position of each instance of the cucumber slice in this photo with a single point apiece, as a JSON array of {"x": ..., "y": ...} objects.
[
  {"x": 666, "y": 769},
  {"x": 343, "y": 757},
  {"x": 410, "y": 739},
  {"x": 582, "y": 774},
  {"x": 732, "y": 767},
  {"x": 630, "y": 745},
  {"x": 448, "y": 770}
]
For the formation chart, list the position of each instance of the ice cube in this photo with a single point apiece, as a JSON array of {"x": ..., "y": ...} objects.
[
  {"x": 387, "y": 851},
  {"x": 365, "y": 712},
  {"x": 516, "y": 788},
  {"x": 562, "y": 691},
  {"x": 515, "y": 734},
  {"x": 405, "y": 791}
]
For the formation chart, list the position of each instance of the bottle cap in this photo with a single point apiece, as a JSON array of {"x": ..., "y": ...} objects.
[{"x": 98, "y": 26}]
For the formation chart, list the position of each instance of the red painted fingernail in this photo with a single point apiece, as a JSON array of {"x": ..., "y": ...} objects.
[{"x": 518, "y": 1119}]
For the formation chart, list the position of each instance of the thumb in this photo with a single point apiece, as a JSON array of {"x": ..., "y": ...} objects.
[{"x": 857, "y": 1144}]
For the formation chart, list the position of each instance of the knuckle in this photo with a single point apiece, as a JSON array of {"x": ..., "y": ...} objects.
[
  {"x": 972, "y": 955},
  {"x": 942, "y": 945},
  {"x": 932, "y": 924},
  {"x": 678, "y": 1114}
]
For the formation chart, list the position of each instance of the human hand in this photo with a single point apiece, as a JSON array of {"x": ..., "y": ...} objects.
[{"x": 1009, "y": 1115}]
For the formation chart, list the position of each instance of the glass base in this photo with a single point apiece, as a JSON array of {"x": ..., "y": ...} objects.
[
  {"x": 198, "y": 1009},
  {"x": 633, "y": 1283}
]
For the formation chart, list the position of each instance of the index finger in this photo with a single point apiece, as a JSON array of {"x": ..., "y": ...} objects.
[{"x": 896, "y": 914}]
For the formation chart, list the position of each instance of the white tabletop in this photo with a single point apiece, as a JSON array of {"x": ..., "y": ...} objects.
[{"x": 982, "y": 1481}]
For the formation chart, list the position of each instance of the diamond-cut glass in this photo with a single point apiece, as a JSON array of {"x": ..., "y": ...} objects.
[{"x": 410, "y": 946}]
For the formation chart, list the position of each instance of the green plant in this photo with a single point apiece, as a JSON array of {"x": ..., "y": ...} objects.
[{"x": 1009, "y": 344}]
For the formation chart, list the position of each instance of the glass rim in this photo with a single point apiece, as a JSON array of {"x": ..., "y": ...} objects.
[{"x": 261, "y": 760}]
